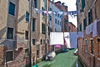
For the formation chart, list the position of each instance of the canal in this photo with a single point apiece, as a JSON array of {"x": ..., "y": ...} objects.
[{"x": 66, "y": 59}]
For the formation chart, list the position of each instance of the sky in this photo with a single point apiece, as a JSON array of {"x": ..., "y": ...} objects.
[{"x": 71, "y": 7}]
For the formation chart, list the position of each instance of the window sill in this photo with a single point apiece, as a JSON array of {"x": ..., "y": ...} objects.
[
  {"x": 99, "y": 59},
  {"x": 9, "y": 62},
  {"x": 92, "y": 54},
  {"x": 12, "y": 15}
]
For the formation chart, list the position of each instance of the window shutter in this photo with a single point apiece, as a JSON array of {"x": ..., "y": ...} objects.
[
  {"x": 35, "y": 3},
  {"x": 33, "y": 25},
  {"x": 83, "y": 4},
  {"x": 91, "y": 16}
]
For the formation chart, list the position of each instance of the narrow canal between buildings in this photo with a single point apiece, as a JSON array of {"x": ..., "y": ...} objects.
[{"x": 66, "y": 59}]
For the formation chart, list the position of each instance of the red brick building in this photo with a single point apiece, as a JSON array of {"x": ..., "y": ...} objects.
[
  {"x": 71, "y": 27},
  {"x": 63, "y": 8},
  {"x": 89, "y": 46}
]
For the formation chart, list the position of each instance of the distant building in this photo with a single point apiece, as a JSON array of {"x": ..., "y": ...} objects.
[
  {"x": 63, "y": 8},
  {"x": 71, "y": 27}
]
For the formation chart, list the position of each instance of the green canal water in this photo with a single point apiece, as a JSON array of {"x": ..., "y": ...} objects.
[{"x": 66, "y": 59}]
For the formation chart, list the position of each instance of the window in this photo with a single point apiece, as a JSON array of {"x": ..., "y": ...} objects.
[
  {"x": 12, "y": 8},
  {"x": 33, "y": 25},
  {"x": 9, "y": 56},
  {"x": 26, "y": 35},
  {"x": 55, "y": 20},
  {"x": 85, "y": 23},
  {"x": 43, "y": 28},
  {"x": 35, "y": 3},
  {"x": 33, "y": 41},
  {"x": 65, "y": 27},
  {"x": 50, "y": 9},
  {"x": 90, "y": 16},
  {"x": 85, "y": 45},
  {"x": 27, "y": 16},
  {"x": 10, "y": 33},
  {"x": 41, "y": 41},
  {"x": 81, "y": 27},
  {"x": 26, "y": 52},
  {"x": 83, "y": 4},
  {"x": 58, "y": 22},
  {"x": 50, "y": 18},
  {"x": 58, "y": 15},
  {"x": 92, "y": 48},
  {"x": 42, "y": 11},
  {"x": 69, "y": 28},
  {"x": 37, "y": 47}
]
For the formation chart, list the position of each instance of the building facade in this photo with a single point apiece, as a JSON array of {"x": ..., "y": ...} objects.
[
  {"x": 71, "y": 27},
  {"x": 89, "y": 46},
  {"x": 63, "y": 8}
]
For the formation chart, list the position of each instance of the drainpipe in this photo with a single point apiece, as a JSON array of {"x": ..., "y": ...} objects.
[{"x": 30, "y": 33}]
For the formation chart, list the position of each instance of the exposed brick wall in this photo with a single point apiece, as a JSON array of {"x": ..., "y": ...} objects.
[{"x": 91, "y": 60}]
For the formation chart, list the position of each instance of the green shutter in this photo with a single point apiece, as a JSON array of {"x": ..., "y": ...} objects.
[
  {"x": 83, "y": 4},
  {"x": 35, "y": 3},
  {"x": 33, "y": 25},
  {"x": 81, "y": 27}
]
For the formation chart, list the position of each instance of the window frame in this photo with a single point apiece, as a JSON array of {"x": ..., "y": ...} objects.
[
  {"x": 13, "y": 32},
  {"x": 26, "y": 17},
  {"x": 34, "y": 24},
  {"x": 25, "y": 34},
  {"x": 92, "y": 46},
  {"x": 13, "y": 56},
  {"x": 86, "y": 46},
  {"x": 28, "y": 52},
  {"x": 15, "y": 8},
  {"x": 34, "y": 41}
]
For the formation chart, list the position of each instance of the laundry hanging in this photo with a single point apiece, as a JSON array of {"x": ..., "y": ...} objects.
[
  {"x": 80, "y": 34},
  {"x": 71, "y": 39},
  {"x": 88, "y": 30},
  {"x": 91, "y": 27},
  {"x": 59, "y": 46},
  {"x": 95, "y": 33},
  {"x": 56, "y": 38}
]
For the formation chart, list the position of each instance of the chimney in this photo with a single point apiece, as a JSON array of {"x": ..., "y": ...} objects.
[{"x": 63, "y": 4}]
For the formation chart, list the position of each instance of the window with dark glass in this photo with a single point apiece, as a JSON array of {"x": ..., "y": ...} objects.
[
  {"x": 12, "y": 8},
  {"x": 92, "y": 47},
  {"x": 83, "y": 4},
  {"x": 58, "y": 22},
  {"x": 81, "y": 27},
  {"x": 33, "y": 41},
  {"x": 85, "y": 23},
  {"x": 41, "y": 41},
  {"x": 35, "y": 3},
  {"x": 10, "y": 33},
  {"x": 85, "y": 45},
  {"x": 26, "y": 35},
  {"x": 26, "y": 52},
  {"x": 43, "y": 28},
  {"x": 33, "y": 25},
  {"x": 27, "y": 16},
  {"x": 9, "y": 56}
]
